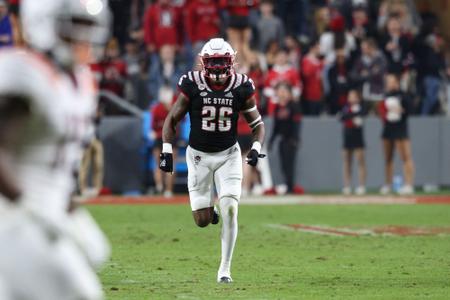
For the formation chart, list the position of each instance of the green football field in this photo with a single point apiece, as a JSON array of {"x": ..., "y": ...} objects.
[{"x": 348, "y": 253}]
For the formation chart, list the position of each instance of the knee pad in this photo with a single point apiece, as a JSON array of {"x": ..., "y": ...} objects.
[{"x": 229, "y": 206}]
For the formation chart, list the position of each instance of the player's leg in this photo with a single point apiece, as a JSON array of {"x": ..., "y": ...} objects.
[
  {"x": 200, "y": 184},
  {"x": 42, "y": 264},
  {"x": 4, "y": 290},
  {"x": 228, "y": 179},
  {"x": 348, "y": 158}
]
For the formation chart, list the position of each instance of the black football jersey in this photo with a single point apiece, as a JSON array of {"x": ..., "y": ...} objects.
[{"x": 214, "y": 113}]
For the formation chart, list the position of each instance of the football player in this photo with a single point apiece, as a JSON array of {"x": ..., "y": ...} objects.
[
  {"x": 47, "y": 103},
  {"x": 214, "y": 97}
]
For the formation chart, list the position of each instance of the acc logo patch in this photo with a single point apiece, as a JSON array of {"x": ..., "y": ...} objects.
[
  {"x": 197, "y": 159},
  {"x": 203, "y": 94}
]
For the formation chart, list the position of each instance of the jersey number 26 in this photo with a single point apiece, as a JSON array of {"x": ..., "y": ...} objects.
[{"x": 211, "y": 121}]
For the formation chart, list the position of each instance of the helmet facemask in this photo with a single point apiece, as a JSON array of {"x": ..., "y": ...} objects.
[{"x": 218, "y": 67}]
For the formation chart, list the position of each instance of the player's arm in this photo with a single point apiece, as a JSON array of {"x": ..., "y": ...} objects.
[
  {"x": 13, "y": 114},
  {"x": 254, "y": 120},
  {"x": 176, "y": 114}
]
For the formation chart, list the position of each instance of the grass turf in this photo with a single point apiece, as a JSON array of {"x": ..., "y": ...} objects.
[{"x": 158, "y": 253}]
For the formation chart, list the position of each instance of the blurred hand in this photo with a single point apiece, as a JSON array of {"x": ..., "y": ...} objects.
[
  {"x": 252, "y": 157},
  {"x": 166, "y": 162}
]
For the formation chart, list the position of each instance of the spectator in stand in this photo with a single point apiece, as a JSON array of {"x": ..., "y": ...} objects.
[
  {"x": 336, "y": 37},
  {"x": 270, "y": 27},
  {"x": 132, "y": 58},
  {"x": 93, "y": 155},
  {"x": 282, "y": 71},
  {"x": 270, "y": 55},
  {"x": 162, "y": 26},
  {"x": 338, "y": 77},
  {"x": 295, "y": 16},
  {"x": 287, "y": 119},
  {"x": 294, "y": 50},
  {"x": 112, "y": 70},
  {"x": 434, "y": 66},
  {"x": 256, "y": 73},
  {"x": 321, "y": 19},
  {"x": 238, "y": 27},
  {"x": 311, "y": 70},
  {"x": 361, "y": 26},
  {"x": 164, "y": 70},
  {"x": 396, "y": 47},
  {"x": 6, "y": 28},
  {"x": 121, "y": 11},
  {"x": 353, "y": 137},
  {"x": 405, "y": 11},
  {"x": 202, "y": 22},
  {"x": 163, "y": 181},
  {"x": 368, "y": 72},
  {"x": 394, "y": 111},
  {"x": 13, "y": 9}
]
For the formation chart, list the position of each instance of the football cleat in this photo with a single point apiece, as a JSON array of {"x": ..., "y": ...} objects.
[
  {"x": 216, "y": 216},
  {"x": 225, "y": 279}
]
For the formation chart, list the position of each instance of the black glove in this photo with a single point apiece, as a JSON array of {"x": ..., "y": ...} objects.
[
  {"x": 166, "y": 162},
  {"x": 252, "y": 157}
]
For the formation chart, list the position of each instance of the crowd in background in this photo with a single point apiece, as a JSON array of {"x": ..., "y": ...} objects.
[
  {"x": 321, "y": 48},
  {"x": 308, "y": 56}
]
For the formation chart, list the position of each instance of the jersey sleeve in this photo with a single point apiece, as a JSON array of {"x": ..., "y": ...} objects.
[
  {"x": 247, "y": 89},
  {"x": 187, "y": 86},
  {"x": 31, "y": 81},
  {"x": 22, "y": 80}
]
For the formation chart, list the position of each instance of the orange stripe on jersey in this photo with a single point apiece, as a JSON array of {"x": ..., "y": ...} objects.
[
  {"x": 41, "y": 62},
  {"x": 86, "y": 79}
]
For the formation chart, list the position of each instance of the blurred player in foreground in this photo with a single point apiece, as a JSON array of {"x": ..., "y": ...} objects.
[
  {"x": 47, "y": 103},
  {"x": 214, "y": 97}
]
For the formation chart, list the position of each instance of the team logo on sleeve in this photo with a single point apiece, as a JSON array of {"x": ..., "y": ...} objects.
[{"x": 197, "y": 159}]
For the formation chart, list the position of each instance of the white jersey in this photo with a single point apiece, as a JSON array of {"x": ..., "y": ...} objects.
[{"x": 61, "y": 112}]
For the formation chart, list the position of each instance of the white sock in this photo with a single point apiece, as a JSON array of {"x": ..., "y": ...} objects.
[{"x": 228, "y": 211}]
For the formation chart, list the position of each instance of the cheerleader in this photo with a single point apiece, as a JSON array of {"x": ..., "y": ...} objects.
[
  {"x": 353, "y": 142},
  {"x": 394, "y": 111}
]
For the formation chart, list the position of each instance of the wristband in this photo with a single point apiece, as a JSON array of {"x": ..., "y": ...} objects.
[
  {"x": 167, "y": 148},
  {"x": 256, "y": 146}
]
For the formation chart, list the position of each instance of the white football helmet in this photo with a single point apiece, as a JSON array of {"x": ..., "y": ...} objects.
[
  {"x": 217, "y": 59},
  {"x": 51, "y": 25}
]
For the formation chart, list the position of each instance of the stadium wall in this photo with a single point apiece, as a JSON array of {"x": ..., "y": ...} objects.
[{"x": 319, "y": 159}]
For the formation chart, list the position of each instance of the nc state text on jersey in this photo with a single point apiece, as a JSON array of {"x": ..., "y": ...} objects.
[{"x": 219, "y": 101}]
